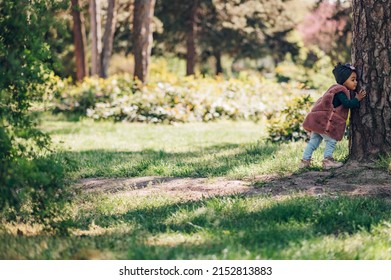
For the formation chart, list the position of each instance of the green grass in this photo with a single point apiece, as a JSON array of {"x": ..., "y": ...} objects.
[
  {"x": 232, "y": 227},
  {"x": 113, "y": 226},
  {"x": 234, "y": 150}
]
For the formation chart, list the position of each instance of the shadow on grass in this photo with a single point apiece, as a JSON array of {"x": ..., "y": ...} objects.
[
  {"x": 212, "y": 161},
  {"x": 228, "y": 227}
]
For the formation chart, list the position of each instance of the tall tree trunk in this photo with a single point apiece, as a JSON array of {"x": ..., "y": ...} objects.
[
  {"x": 142, "y": 32},
  {"x": 191, "y": 54},
  {"x": 108, "y": 37},
  {"x": 371, "y": 125},
  {"x": 219, "y": 67},
  {"x": 79, "y": 40},
  {"x": 96, "y": 36}
]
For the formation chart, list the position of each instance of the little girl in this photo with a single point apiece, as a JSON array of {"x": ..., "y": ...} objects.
[{"x": 327, "y": 119}]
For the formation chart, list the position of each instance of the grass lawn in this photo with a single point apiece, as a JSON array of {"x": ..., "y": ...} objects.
[
  {"x": 231, "y": 149},
  {"x": 113, "y": 226}
]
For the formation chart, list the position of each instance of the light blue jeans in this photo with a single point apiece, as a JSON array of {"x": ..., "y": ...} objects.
[{"x": 314, "y": 143}]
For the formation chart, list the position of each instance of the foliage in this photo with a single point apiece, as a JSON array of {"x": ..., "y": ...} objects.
[
  {"x": 241, "y": 29},
  {"x": 177, "y": 100},
  {"x": 83, "y": 96},
  {"x": 287, "y": 124},
  {"x": 34, "y": 191},
  {"x": 311, "y": 66},
  {"x": 235, "y": 29},
  {"x": 59, "y": 39},
  {"x": 329, "y": 27},
  {"x": 24, "y": 73}
]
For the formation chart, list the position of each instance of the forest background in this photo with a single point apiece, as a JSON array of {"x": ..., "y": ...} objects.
[{"x": 76, "y": 70}]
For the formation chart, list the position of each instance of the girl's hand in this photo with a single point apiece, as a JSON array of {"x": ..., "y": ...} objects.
[{"x": 360, "y": 96}]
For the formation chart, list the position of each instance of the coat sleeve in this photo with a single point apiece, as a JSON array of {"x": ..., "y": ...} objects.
[{"x": 341, "y": 99}]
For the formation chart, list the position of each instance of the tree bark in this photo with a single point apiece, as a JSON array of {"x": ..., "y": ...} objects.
[
  {"x": 79, "y": 40},
  {"x": 96, "y": 36},
  {"x": 142, "y": 20},
  {"x": 219, "y": 67},
  {"x": 370, "y": 135},
  {"x": 108, "y": 37},
  {"x": 191, "y": 51}
]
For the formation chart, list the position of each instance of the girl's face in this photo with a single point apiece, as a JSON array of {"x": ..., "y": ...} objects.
[{"x": 351, "y": 82}]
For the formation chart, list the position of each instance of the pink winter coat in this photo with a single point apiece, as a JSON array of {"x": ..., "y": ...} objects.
[{"x": 324, "y": 118}]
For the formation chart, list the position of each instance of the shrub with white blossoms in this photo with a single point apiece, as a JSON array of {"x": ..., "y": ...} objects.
[{"x": 186, "y": 100}]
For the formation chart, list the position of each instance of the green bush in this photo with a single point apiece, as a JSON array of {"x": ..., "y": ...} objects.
[
  {"x": 188, "y": 99},
  {"x": 286, "y": 125},
  {"x": 34, "y": 190},
  {"x": 27, "y": 181},
  {"x": 79, "y": 98}
]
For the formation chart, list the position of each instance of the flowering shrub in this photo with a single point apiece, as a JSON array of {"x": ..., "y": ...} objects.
[
  {"x": 79, "y": 98},
  {"x": 286, "y": 125},
  {"x": 188, "y": 99}
]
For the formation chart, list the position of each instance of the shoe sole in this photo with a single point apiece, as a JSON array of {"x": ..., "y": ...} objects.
[{"x": 334, "y": 167}]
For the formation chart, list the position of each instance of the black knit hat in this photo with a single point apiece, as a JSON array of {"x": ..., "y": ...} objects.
[{"x": 342, "y": 72}]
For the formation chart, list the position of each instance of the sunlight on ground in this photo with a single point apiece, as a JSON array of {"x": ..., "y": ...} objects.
[{"x": 89, "y": 135}]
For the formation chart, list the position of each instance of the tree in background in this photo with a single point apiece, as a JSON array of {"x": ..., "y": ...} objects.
[
  {"x": 96, "y": 36},
  {"x": 181, "y": 25},
  {"x": 191, "y": 35},
  {"x": 122, "y": 42},
  {"x": 179, "y": 30},
  {"x": 343, "y": 44},
  {"x": 80, "y": 40},
  {"x": 370, "y": 135},
  {"x": 247, "y": 29},
  {"x": 192, "y": 30},
  {"x": 142, "y": 37},
  {"x": 199, "y": 31},
  {"x": 108, "y": 37},
  {"x": 101, "y": 47},
  {"x": 240, "y": 29}
]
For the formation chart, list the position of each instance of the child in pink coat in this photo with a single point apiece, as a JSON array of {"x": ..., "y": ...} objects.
[{"x": 327, "y": 119}]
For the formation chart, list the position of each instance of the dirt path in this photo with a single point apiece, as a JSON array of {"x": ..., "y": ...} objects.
[{"x": 347, "y": 180}]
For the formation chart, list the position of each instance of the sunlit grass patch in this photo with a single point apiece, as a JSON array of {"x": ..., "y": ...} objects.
[
  {"x": 174, "y": 239},
  {"x": 371, "y": 245},
  {"x": 235, "y": 150},
  {"x": 230, "y": 227}
]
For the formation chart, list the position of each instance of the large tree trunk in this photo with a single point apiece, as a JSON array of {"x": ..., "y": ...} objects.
[
  {"x": 79, "y": 40},
  {"x": 370, "y": 135},
  {"x": 96, "y": 36},
  {"x": 142, "y": 21},
  {"x": 191, "y": 52},
  {"x": 108, "y": 37}
]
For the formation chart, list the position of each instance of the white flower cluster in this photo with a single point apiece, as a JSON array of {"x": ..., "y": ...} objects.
[{"x": 202, "y": 99}]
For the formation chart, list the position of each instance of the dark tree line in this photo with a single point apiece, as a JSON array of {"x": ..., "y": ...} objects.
[{"x": 195, "y": 30}]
